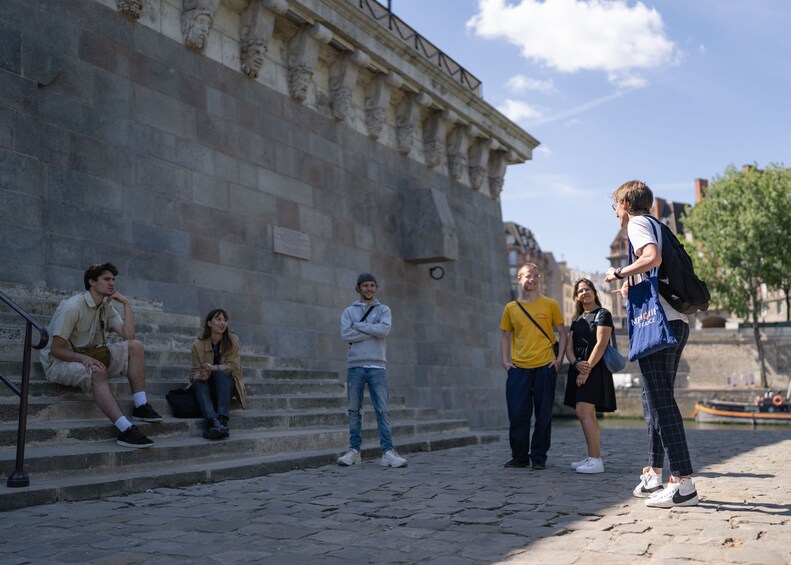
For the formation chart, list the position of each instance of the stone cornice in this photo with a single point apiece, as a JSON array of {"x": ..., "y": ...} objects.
[{"x": 352, "y": 26}]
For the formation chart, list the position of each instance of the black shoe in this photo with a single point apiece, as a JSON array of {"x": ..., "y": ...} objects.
[
  {"x": 224, "y": 421},
  {"x": 133, "y": 437},
  {"x": 517, "y": 463},
  {"x": 539, "y": 465},
  {"x": 214, "y": 429},
  {"x": 145, "y": 413}
]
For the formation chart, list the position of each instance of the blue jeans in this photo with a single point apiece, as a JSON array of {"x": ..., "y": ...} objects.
[
  {"x": 526, "y": 390},
  {"x": 219, "y": 385},
  {"x": 356, "y": 379}
]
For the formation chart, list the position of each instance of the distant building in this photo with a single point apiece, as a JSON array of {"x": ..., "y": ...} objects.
[{"x": 557, "y": 281}]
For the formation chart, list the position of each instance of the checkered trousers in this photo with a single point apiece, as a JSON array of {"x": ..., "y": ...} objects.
[{"x": 665, "y": 426}]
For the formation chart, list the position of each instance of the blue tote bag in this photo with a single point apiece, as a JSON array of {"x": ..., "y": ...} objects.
[
  {"x": 649, "y": 330},
  {"x": 614, "y": 361}
]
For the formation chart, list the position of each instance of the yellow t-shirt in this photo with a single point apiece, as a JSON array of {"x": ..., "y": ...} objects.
[{"x": 529, "y": 347}]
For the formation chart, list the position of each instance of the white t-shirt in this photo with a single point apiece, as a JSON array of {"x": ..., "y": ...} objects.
[{"x": 640, "y": 234}]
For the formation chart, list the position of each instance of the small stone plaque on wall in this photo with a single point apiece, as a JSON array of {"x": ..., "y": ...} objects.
[{"x": 292, "y": 242}]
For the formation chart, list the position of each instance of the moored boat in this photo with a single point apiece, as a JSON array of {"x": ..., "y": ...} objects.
[{"x": 770, "y": 409}]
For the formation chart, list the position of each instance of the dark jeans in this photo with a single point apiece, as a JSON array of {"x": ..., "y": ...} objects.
[
  {"x": 219, "y": 386},
  {"x": 527, "y": 390}
]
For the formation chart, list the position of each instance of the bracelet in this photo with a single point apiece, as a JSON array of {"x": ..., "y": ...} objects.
[
  {"x": 574, "y": 363},
  {"x": 617, "y": 273}
]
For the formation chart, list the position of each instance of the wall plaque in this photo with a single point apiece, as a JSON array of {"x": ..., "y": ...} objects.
[{"x": 292, "y": 242}]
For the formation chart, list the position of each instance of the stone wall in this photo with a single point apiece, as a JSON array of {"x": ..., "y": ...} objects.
[{"x": 261, "y": 185}]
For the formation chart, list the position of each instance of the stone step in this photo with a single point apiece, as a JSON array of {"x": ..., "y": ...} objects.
[
  {"x": 170, "y": 448},
  {"x": 88, "y": 486},
  {"x": 81, "y": 421},
  {"x": 44, "y": 409}
]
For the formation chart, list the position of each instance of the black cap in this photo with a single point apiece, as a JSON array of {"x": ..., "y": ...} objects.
[{"x": 366, "y": 277}]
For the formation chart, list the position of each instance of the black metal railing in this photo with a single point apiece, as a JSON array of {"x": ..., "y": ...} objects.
[
  {"x": 384, "y": 16},
  {"x": 19, "y": 477}
]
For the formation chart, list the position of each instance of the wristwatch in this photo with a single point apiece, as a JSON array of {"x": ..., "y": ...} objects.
[{"x": 617, "y": 273}]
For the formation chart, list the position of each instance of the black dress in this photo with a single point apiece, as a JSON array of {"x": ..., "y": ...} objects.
[{"x": 598, "y": 388}]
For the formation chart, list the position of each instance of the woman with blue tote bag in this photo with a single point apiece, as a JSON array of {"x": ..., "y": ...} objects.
[{"x": 657, "y": 336}]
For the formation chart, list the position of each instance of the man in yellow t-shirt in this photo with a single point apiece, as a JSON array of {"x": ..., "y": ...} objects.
[{"x": 532, "y": 367}]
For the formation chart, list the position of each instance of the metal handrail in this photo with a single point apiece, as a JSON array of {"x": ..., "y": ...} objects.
[
  {"x": 19, "y": 477},
  {"x": 384, "y": 16}
]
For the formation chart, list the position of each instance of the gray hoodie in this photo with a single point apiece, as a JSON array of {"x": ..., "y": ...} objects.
[{"x": 366, "y": 339}]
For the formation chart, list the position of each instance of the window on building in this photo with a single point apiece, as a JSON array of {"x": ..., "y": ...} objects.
[{"x": 513, "y": 258}]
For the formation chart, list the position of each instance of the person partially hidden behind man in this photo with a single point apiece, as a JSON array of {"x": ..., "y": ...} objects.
[{"x": 80, "y": 322}]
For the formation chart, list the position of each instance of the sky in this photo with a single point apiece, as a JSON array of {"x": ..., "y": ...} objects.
[{"x": 665, "y": 92}]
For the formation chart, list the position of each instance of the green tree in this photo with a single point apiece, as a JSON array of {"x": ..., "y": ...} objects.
[{"x": 742, "y": 239}]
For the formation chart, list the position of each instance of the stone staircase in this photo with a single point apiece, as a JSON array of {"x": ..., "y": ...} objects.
[{"x": 295, "y": 418}]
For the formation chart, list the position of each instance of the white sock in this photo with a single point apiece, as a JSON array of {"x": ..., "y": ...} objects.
[
  {"x": 686, "y": 485},
  {"x": 123, "y": 424},
  {"x": 139, "y": 398}
]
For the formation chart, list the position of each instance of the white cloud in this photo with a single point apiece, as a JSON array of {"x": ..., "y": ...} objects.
[
  {"x": 576, "y": 35},
  {"x": 521, "y": 83},
  {"x": 543, "y": 150},
  {"x": 517, "y": 110}
]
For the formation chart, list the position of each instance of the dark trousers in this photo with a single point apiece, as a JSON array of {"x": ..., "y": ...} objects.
[
  {"x": 526, "y": 391},
  {"x": 665, "y": 425},
  {"x": 217, "y": 388}
]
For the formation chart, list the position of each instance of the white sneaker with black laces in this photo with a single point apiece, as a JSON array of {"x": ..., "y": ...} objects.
[
  {"x": 650, "y": 484},
  {"x": 351, "y": 457},
  {"x": 393, "y": 459},
  {"x": 679, "y": 492},
  {"x": 592, "y": 466}
]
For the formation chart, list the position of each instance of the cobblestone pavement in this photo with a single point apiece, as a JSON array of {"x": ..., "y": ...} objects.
[{"x": 457, "y": 506}]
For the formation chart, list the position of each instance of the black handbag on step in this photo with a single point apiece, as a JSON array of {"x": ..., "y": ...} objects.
[{"x": 184, "y": 403}]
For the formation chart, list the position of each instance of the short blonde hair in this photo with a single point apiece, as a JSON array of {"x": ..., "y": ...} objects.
[
  {"x": 636, "y": 194},
  {"x": 527, "y": 266}
]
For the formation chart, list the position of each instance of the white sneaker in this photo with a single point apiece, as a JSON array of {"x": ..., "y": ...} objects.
[
  {"x": 393, "y": 459},
  {"x": 650, "y": 484},
  {"x": 579, "y": 463},
  {"x": 351, "y": 457},
  {"x": 591, "y": 466},
  {"x": 674, "y": 495}
]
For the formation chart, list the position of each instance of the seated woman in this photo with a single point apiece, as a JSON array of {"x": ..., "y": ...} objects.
[{"x": 217, "y": 373}]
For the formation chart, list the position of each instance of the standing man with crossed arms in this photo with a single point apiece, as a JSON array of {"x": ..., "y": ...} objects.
[
  {"x": 364, "y": 326},
  {"x": 526, "y": 347}
]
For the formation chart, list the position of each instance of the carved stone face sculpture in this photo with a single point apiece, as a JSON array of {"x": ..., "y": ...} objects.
[
  {"x": 196, "y": 30},
  {"x": 130, "y": 8},
  {"x": 252, "y": 54}
]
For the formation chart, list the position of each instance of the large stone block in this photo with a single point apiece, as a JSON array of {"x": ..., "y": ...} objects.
[
  {"x": 10, "y": 50},
  {"x": 149, "y": 237}
]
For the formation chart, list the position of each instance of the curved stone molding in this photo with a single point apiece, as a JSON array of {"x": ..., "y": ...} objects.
[
  {"x": 197, "y": 17},
  {"x": 303, "y": 51},
  {"x": 131, "y": 8},
  {"x": 256, "y": 25},
  {"x": 343, "y": 79},
  {"x": 479, "y": 163},
  {"x": 377, "y": 99},
  {"x": 407, "y": 114},
  {"x": 497, "y": 165}
]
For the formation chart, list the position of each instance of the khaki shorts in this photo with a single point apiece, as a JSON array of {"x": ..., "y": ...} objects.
[{"x": 72, "y": 373}]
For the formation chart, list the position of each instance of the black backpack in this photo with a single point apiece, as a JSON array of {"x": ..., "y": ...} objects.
[{"x": 678, "y": 283}]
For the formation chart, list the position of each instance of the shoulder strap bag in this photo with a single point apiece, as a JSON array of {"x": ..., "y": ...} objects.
[
  {"x": 99, "y": 352},
  {"x": 555, "y": 344},
  {"x": 613, "y": 360}
]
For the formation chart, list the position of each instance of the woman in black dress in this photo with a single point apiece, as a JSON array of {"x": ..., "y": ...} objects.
[{"x": 589, "y": 388}]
